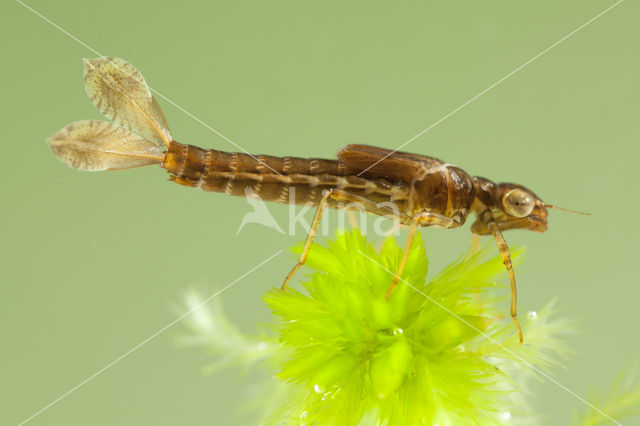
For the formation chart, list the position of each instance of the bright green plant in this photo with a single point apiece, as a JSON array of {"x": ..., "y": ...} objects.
[{"x": 438, "y": 351}]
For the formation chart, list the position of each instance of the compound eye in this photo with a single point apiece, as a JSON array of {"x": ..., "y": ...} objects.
[{"x": 518, "y": 203}]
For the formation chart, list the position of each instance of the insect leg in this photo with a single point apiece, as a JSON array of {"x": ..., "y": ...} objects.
[
  {"x": 474, "y": 243},
  {"x": 423, "y": 219},
  {"x": 352, "y": 219},
  {"x": 338, "y": 195},
  {"x": 506, "y": 259}
]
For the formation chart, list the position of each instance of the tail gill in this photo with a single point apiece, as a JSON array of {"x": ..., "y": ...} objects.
[{"x": 94, "y": 145}]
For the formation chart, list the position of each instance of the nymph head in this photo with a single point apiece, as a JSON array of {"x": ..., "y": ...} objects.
[
  {"x": 512, "y": 207},
  {"x": 516, "y": 207}
]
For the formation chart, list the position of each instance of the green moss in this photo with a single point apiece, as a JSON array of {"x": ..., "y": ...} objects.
[{"x": 437, "y": 351}]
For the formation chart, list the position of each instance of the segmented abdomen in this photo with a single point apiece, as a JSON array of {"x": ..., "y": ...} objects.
[{"x": 282, "y": 179}]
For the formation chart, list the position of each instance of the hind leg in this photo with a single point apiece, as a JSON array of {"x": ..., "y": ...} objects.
[{"x": 337, "y": 195}]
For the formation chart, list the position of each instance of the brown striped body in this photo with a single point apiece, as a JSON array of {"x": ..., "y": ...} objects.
[
  {"x": 281, "y": 179},
  {"x": 440, "y": 188}
]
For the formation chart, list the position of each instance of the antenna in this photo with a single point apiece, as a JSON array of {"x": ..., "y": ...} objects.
[{"x": 567, "y": 210}]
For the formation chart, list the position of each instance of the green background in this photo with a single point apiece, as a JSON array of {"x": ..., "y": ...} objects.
[{"x": 91, "y": 264}]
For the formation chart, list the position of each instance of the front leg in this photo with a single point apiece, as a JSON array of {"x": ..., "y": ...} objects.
[
  {"x": 487, "y": 218},
  {"x": 423, "y": 218}
]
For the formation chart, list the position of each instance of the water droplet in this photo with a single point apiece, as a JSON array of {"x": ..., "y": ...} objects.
[
  {"x": 262, "y": 346},
  {"x": 398, "y": 331},
  {"x": 303, "y": 416},
  {"x": 318, "y": 389},
  {"x": 532, "y": 315},
  {"x": 506, "y": 415},
  {"x": 326, "y": 395}
]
